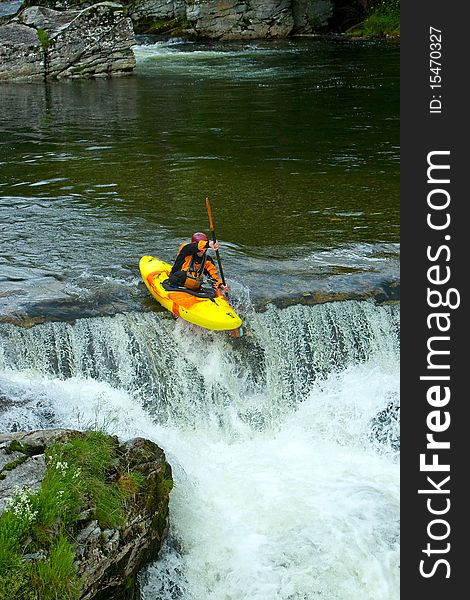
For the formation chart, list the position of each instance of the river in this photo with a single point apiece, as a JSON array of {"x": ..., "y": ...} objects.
[{"x": 285, "y": 443}]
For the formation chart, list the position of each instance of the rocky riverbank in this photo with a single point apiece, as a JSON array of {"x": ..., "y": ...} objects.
[
  {"x": 57, "y": 39},
  {"x": 42, "y": 473},
  {"x": 50, "y": 44},
  {"x": 215, "y": 19}
]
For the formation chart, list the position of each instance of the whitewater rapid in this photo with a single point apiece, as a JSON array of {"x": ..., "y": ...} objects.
[{"x": 284, "y": 445}]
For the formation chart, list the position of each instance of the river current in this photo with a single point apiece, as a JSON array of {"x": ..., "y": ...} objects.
[{"x": 285, "y": 443}]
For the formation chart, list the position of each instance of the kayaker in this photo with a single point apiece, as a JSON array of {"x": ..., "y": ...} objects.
[{"x": 192, "y": 263}]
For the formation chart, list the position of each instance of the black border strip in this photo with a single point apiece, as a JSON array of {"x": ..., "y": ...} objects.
[{"x": 423, "y": 246}]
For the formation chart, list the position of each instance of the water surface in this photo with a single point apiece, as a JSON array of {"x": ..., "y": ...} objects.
[
  {"x": 284, "y": 443},
  {"x": 294, "y": 142}
]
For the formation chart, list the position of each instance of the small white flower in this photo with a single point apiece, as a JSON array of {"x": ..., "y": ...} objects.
[
  {"x": 20, "y": 504},
  {"x": 62, "y": 467}
]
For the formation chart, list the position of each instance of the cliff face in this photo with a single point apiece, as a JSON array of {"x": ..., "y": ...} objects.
[
  {"x": 231, "y": 19},
  {"x": 217, "y": 19},
  {"x": 108, "y": 553},
  {"x": 57, "y": 39},
  {"x": 225, "y": 19},
  {"x": 44, "y": 43}
]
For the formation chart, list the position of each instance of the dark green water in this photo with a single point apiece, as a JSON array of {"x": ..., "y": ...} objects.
[{"x": 296, "y": 143}]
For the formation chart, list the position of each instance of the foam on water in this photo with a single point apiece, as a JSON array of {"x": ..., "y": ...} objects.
[{"x": 283, "y": 445}]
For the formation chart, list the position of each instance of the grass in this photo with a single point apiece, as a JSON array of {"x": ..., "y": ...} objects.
[
  {"x": 382, "y": 22},
  {"x": 56, "y": 577},
  {"x": 43, "y": 521}
]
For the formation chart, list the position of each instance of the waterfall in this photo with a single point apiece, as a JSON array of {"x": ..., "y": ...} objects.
[{"x": 284, "y": 443}]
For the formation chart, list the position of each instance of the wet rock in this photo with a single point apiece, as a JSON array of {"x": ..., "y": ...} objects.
[
  {"x": 34, "y": 442},
  {"x": 310, "y": 16},
  {"x": 385, "y": 426},
  {"x": 35, "y": 556},
  {"x": 255, "y": 19}
]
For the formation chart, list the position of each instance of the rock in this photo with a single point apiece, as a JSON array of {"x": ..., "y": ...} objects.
[
  {"x": 106, "y": 559},
  {"x": 311, "y": 16},
  {"x": 155, "y": 9},
  {"x": 44, "y": 43},
  {"x": 39, "y": 555},
  {"x": 232, "y": 19},
  {"x": 218, "y": 19},
  {"x": 8, "y": 8},
  {"x": 27, "y": 473},
  {"x": 34, "y": 442}
]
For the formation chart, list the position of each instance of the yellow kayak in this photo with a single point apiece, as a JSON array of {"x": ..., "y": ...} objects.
[{"x": 208, "y": 308}]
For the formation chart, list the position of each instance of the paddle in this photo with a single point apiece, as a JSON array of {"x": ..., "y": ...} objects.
[
  {"x": 235, "y": 333},
  {"x": 211, "y": 226}
]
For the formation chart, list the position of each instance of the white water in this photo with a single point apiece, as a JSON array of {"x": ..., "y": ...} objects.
[{"x": 284, "y": 460}]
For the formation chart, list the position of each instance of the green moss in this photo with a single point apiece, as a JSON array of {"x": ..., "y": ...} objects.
[
  {"x": 169, "y": 26},
  {"x": 13, "y": 464},
  {"x": 131, "y": 482},
  {"x": 130, "y": 589},
  {"x": 16, "y": 446},
  {"x": 165, "y": 486},
  {"x": 78, "y": 69}
]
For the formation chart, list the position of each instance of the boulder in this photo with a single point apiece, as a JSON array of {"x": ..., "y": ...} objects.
[
  {"x": 234, "y": 19},
  {"x": 44, "y": 43},
  {"x": 311, "y": 16},
  {"x": 155, "y": 9},
  {"x": 107, "y": 559},
  {"x": 218, "y": 19}
]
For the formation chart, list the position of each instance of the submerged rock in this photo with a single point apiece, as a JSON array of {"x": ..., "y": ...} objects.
[
  {"x": 107, "y": 559},
  {"x": 44, "y": 43}
]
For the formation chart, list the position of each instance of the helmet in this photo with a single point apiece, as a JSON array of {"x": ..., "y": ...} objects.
[{"x": 199, "y": 236}]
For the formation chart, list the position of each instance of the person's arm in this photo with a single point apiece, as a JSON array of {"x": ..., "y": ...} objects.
[{"x": 211, "y": 271}]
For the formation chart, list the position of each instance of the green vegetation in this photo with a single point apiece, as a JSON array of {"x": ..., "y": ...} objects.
[
  {"x": 41, "y": 523},
  {"x": 171, "y": 26},
  {"x": 383, "y": 21},
  {"x": 78, "y": 69},
  {"x": 44, "y": 39},
  {"x": 12, "y": 465}
]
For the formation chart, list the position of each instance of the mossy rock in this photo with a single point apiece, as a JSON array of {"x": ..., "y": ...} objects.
[{"x": 171, "y": 26}]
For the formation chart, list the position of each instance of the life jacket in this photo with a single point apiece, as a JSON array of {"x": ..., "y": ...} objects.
[{"x": 194, "y": 267}]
